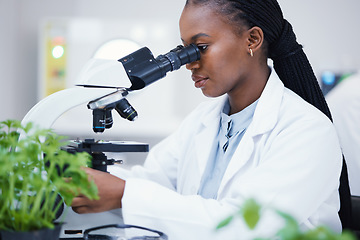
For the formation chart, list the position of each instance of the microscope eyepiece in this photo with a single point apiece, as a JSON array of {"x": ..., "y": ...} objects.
[
  {"x": 143, "y": 69},
  {"x": 179, "y": 56}
]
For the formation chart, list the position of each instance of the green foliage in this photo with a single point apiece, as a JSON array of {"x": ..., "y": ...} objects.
[
  {"x": 250, "y": 212},
  {"x": 33, "y": 171}
]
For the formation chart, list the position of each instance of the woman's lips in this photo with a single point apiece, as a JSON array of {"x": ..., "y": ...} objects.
[{"x": 200, "y": 81}]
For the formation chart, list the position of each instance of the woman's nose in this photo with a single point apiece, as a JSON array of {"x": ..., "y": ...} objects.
[{"x": 192, "y": 65}]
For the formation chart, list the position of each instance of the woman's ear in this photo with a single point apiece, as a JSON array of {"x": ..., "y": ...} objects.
[{"x": 255, "y": 39}]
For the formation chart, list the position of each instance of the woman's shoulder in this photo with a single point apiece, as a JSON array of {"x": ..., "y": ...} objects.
[{"x": 296, "y": 109}]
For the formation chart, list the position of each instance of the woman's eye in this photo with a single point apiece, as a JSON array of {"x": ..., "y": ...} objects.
[{"x": 202, "y": 48}]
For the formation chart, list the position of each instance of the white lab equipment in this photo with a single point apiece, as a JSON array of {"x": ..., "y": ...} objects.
[{"x": 104, "y": 84}]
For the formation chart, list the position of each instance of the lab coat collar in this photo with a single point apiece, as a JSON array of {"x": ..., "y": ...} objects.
[
  {"x": 214, "y": 115},
  {"x": 268, "y": 106},
  {"x": 204, "y": 140},
  {"x": 271, "y": 96}
]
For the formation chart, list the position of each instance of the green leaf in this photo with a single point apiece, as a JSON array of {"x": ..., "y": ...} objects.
[
  {"x": 251, "y": 213},
  {"x": 225, "y": 222}
]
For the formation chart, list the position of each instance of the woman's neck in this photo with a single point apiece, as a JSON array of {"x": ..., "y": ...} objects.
[{"x": 251, "y": 91}]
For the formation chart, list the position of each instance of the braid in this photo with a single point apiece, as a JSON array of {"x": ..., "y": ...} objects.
[
  {"x": 290, "y": 62},
  {"x": 296, "y": 73}
]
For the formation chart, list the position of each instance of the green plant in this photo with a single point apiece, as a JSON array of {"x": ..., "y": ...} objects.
[
  {"x": 33, "y": 172},
  {"x": 250, "y": 212}
]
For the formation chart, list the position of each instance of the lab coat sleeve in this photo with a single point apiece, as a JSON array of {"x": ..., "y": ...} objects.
[
  {"x": 154, "y": 167},
  {"x": 161, "y": 164},
  {"x": 190, "y": 217}
]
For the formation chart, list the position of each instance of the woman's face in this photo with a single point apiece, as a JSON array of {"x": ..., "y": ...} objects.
[{"x": 224, "y": 65}]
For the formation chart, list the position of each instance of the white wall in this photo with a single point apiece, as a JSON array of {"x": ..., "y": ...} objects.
[
  {"x": 9, "y": 76},
  {"x": 328, "y": 29}
]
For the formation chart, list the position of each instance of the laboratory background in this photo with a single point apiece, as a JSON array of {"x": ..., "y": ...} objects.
[{"x": 45, "y": 44}]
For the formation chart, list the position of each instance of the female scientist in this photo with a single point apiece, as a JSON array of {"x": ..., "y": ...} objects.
[{"x": 259, "y": 140}]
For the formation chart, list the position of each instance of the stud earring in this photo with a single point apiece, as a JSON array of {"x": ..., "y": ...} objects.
[{"x": 251, "y": 52}]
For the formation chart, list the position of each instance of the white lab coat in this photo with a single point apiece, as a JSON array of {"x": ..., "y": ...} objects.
[
  {"x": 344, "y": 103},
  {"x": 289, "y": 158}
]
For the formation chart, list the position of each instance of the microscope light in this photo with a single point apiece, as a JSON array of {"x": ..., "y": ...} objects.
[{"x": 58, "y": 51}]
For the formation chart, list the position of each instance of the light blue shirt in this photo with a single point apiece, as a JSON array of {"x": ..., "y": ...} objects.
[{"x": 232, "y": 129}]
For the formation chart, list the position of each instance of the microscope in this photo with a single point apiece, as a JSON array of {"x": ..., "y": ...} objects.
[{"x": 103, "y": 85}]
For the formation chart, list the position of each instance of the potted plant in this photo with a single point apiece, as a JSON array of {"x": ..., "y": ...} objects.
[{"x": 34, "y": 172}]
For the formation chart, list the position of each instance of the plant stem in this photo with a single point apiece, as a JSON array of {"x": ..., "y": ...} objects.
[{"x": 24, "y": 199}]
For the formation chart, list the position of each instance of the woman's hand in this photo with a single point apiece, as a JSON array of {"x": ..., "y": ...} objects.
[{"x": 111, "y": 190}]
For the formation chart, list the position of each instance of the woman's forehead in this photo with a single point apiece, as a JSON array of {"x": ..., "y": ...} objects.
[
  {"x": 200, "y": 19},
  {"x": 204, "y": 20}
]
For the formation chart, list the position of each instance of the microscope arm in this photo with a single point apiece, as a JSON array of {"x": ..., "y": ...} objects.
[
  {"x": 98, "y": 78},
  {"x": 45, "y": 112}
]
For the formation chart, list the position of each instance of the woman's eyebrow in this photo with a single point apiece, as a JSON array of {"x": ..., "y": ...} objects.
[
  {"x": 199, "y": 35},
  {"x": 195, "y": 37}
]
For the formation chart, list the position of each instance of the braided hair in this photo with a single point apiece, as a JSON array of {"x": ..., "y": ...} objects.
[{"x": 289, "y": 60}]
